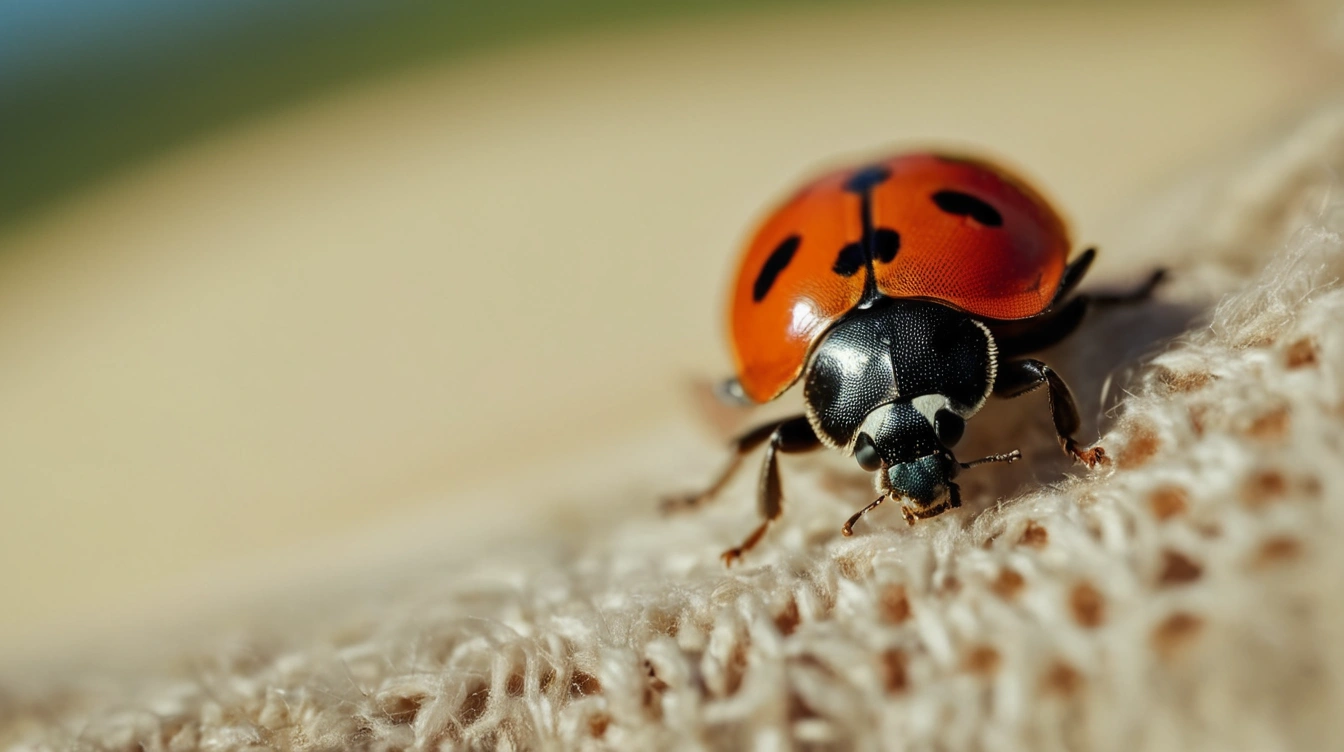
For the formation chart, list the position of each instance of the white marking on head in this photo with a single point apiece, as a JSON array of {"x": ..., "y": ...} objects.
[
  {"x": 872, "y": 423},
  {"x": 928, "y": 405}
]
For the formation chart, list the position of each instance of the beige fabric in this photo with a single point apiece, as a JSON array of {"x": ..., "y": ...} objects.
[
  {"x": 296, "y": 328},
  {"x": 1188, "y": 596}
]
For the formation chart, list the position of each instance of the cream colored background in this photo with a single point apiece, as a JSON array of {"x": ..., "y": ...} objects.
[{"x": 313, "y": 323}]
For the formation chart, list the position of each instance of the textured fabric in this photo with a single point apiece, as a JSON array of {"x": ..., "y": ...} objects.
[{"x": 1190, "y": 595}]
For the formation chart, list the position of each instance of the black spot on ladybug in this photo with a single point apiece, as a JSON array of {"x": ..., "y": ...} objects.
[
  {"x": 779, "y": 259},
  {"x": 886, "y": 243},
  {"x": 850, "y": 260},
  {"x": 966, "y": 205},
  {"x": 867, "y": 179}
]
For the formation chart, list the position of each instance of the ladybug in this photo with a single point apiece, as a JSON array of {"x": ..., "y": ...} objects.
[{"x": 903, "y": 293}]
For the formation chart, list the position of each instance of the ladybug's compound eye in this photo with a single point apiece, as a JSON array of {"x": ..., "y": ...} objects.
[
  {"x": 949, "y": 426},
  {"x": 865, "y": 451}
]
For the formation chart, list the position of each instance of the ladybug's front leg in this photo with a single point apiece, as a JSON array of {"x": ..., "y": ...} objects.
[
  {"x": 740, "y": 446},
  {"x": 791, "y": 437},
  {"x": 1018, "y": 377}
]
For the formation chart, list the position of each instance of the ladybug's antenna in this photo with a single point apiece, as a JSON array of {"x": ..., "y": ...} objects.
[
  {"x": 863, "y": 182},
  {"x": 1009, "y": 457}
]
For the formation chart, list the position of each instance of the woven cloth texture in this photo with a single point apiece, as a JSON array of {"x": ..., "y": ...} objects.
[{"x": 1188, "y": 595}]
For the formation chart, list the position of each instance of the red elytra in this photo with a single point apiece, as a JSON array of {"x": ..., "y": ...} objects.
[{"x": 960, "y": 231}]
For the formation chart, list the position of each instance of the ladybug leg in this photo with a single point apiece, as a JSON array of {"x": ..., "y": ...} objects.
[
  {"x": 1129, "y": 297},
  {"x": 1043, "y": 331},
  {"x": 1074, "y": 273},
  {"x": 1077, "y": 269},
  {"x": 1018, "y": 338},
  {"x": 791, "y": 436},
  {"x": 740, "y": 446},
  {"x": 1021, "y": 376}
]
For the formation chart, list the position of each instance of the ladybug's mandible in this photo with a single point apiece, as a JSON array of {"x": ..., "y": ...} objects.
[{"x": 903, "y": 292}]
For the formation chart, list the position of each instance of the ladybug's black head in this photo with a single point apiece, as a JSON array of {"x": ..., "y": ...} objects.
[
  {"x": 923, "y": 481},
  {"x": 910, "y": 445}
]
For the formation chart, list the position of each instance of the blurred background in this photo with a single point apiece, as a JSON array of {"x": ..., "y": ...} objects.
[{"x": 274, "y": 273}]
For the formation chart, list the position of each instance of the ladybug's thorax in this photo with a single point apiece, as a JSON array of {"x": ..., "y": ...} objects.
[{"x": 906, "y": 374}]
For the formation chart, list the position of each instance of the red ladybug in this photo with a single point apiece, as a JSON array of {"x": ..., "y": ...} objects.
[{"x": 904, "y": 293}]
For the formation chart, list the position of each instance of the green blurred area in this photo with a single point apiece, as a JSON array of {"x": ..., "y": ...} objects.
[{"x": 82, "y": 118}]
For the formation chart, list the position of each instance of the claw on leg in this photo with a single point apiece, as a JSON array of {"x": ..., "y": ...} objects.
[
  {"x": 1091, "y": 457},
  {"x": 848, "y": 528},
  {"x": 731, "y": 556},
  {"x": 1021, "y": 376},
  {"x": 670, "y": 505},
  {"x": 789, "y": 435}
]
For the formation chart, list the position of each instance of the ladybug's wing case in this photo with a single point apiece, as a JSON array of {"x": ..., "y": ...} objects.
[
  {"x": 788, "y": 291},
  {"x": 957, "y": 231},
  {"x": 971, "y": 235}
]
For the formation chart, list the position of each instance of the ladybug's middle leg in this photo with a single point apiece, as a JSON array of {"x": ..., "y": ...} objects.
[
  {"x": 791, "y": 437},
  {"x": 1018, "y": 377}
]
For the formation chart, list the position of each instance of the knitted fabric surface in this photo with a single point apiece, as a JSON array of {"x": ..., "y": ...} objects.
[{"x": 1188, "y": 595}]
